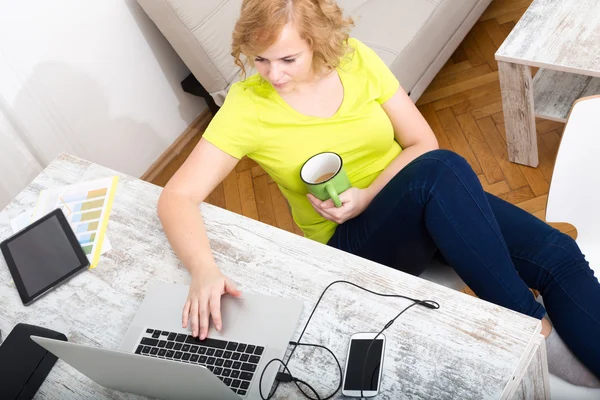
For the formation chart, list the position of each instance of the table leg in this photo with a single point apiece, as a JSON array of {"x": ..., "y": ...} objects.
[
  {"x": 519, "y": 115},
  {"x": 534, "y": 382}
]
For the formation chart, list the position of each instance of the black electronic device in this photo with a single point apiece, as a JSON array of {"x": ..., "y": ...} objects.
[
  {"x": 24, "y": 364},
  {"x": 43, "y": 255}
]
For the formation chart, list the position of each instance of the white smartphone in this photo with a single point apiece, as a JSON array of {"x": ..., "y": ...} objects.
[{"x": 357, "y": 368}]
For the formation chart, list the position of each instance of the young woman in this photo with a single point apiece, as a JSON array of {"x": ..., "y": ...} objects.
[{"x": 318, "y": 90}]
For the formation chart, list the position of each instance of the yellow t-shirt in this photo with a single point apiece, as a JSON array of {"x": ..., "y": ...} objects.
[{"x": 255, "y": 121}]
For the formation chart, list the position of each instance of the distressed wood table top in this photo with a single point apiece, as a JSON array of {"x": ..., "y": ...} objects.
[
  {"x": 562, "y": 35},
  {"x": 467, "y": 349}
]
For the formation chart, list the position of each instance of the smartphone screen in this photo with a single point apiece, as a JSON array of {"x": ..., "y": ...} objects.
[{"x": 356, "y": 362}]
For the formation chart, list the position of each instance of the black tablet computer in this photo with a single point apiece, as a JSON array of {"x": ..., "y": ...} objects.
[{"x": 43, "y": 255}]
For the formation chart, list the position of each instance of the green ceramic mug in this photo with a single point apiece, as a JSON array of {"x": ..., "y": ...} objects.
[{"x": 325, "y": 177}]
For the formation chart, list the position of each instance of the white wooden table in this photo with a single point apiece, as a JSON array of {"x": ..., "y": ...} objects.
[
  {"x": 562, "y": 37},
  {"x": 468, "y": 349}
]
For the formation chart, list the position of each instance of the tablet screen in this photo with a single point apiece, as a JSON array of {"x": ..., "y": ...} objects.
[{"x": 44, "y": 254}]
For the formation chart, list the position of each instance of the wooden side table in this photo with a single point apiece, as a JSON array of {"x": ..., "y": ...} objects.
[{"x": 563, "y": 39}]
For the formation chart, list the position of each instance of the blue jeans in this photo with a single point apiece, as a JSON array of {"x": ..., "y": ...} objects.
[{"x": 436, "y": 204}]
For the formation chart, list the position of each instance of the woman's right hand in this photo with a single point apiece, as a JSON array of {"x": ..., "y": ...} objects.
[{"x": 204, "y": 300}]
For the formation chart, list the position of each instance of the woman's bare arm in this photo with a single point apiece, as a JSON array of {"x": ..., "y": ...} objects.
[{"x": 179, "y": 213}]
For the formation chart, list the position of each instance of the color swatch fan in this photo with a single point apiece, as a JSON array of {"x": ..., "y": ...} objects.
[{"x": 87, "y": 206}]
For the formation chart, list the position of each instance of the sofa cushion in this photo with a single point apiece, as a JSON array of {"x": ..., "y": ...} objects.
[
  {"x": 407, "y": 34},
  {"x": 200, "y": 32}
]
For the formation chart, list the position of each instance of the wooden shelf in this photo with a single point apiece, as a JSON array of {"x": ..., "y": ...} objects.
[{"x": 555, "y": 92}]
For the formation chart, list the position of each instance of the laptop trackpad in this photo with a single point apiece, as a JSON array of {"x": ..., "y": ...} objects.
[{"x": 230, "y": 310}]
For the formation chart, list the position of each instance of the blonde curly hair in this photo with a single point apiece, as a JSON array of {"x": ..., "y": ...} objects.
[{"x": 319, "y": 22}]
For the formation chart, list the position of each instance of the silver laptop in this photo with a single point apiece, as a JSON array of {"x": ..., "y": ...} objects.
[{"x": 159, "y": 358}]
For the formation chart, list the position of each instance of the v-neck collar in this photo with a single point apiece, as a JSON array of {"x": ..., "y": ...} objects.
[{"x": 286, "y": 105}]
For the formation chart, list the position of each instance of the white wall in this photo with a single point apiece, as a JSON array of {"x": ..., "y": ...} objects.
[
  {"x": 13, "y": 151},
  {"x": 94, "y": 78}
]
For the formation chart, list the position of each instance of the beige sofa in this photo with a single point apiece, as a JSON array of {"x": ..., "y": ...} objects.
[{"x": 414, "y": 37}]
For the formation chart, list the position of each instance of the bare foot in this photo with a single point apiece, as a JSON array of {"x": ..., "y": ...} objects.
[{"x": 546, "y": 328}]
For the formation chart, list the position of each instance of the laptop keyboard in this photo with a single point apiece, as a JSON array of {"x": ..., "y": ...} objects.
[{"x": 234, "y": 363}]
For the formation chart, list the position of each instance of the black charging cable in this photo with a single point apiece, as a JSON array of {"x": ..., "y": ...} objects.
[
  {"x": 287, "y": 376},
  {"x": 390, "y": 322}
]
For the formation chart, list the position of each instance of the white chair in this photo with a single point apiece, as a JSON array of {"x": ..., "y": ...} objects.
[
  {"x": 575, "y": 188},
  {"x": 444, "y": 275},
  {"x": 573, "y": 198}
]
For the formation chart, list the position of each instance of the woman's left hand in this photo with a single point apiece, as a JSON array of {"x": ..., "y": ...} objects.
[{"x": 354, "y": 201}]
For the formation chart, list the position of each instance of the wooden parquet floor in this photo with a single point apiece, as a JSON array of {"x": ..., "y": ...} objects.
[{"x": 462, "y": 105}]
